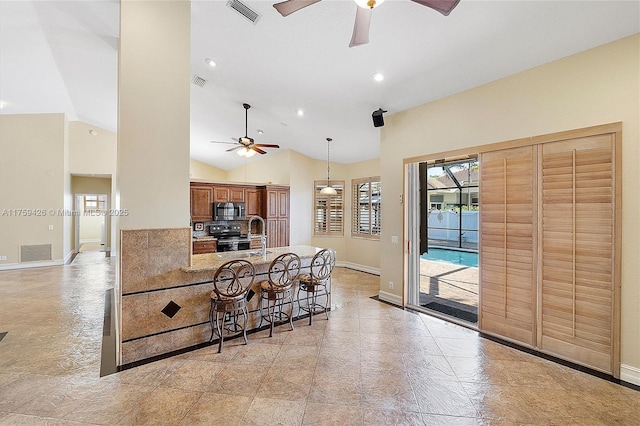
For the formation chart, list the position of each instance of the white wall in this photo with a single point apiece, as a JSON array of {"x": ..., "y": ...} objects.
[
  {"x": 153, "y": 114},
  {"x": 595, "y": 87},
  {"x": 91, "y": 155}
]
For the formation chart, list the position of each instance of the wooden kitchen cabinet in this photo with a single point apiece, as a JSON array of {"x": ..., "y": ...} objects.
[
  {"x": 201, "y": 203},
  {"x": 201, "y": 247},
  {"x": 253, "y": 200},
  {"x": 228, "y": 194},
  {"x": 276, "y": 214}
]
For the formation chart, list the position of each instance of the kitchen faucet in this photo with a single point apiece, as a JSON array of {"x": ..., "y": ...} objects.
[{"x": 263, "y": 236}]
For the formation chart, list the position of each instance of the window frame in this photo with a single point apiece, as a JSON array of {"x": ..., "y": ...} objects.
[
  {"x": 336, "y": 200},
  {"x": 356, "y": 212}
]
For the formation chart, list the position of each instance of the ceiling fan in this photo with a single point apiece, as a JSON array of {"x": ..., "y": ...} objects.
[
  {"x": 363, "y": 13},
  {"x": 245, "y": 145}
]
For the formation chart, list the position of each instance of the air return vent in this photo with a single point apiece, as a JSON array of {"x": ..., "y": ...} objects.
[
  {"x": 35, "y": 253},
  {"x": 198, "y": 81},
  {"x": 243, "y": 10}
]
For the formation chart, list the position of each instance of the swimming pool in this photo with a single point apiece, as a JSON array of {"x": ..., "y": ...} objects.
[{"x": 464, "y": 258}]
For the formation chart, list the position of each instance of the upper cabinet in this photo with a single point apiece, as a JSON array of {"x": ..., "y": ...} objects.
[
  {"x": 228, "y": 194},
  {"x": 201, "y": 202},
  {"x": 253, "y": 200}
]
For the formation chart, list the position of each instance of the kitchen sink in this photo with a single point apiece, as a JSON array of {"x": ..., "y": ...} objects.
[{"x": 240, "y": 254}]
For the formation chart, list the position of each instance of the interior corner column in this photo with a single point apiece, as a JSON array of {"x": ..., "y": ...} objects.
[{"x": 153, "y": 114}]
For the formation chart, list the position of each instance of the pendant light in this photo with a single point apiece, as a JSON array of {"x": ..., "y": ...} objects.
[{"x": 328, "y": 190}]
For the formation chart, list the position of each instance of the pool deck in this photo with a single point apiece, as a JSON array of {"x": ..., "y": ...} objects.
[{"x": 449, "y": 284}]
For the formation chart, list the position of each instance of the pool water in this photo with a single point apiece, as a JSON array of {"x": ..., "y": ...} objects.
[{"x": 464, "y": 258}]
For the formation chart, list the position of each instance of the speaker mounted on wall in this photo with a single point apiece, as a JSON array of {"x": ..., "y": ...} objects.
[{"x": 378, "y": 119}]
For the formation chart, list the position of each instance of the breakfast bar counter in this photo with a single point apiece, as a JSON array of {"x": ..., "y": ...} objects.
[{"x": 212, "y": 261}]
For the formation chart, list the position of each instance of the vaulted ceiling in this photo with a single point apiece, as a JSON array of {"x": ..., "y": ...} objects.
[{"x": 58, "y": 56}]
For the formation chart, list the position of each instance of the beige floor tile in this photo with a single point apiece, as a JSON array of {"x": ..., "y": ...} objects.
[
  {"x": 217, "y": 409},
  {"x": 162, "y": 406},
  {"x": 238, "y": 379},
  {"x": 370, "y": 363},
  {"x": 274, "y": 412},
  {"x": 318, "y": 414}
]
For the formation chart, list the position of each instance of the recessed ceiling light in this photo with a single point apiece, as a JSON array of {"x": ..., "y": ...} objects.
[
  {"x": 378, "y": 76},
  {"x": 1, "y": 105},
  {"x": 210, "y": 62},
  {"x": 93, "y": 132},
  {"x": 300, "y": 112},
  {"x": 260, "y": 132}
]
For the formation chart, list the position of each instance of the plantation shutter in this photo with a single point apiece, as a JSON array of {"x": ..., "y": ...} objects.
[
  {"x": 329, "y": 210},
  {"x": 508, "y": 226},
  {"x": 577, "y": 283}
]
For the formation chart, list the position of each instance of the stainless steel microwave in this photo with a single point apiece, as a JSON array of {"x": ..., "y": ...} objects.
[{"x": 229, "y": 211}]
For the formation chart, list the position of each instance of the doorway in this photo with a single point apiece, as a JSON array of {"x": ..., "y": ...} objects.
[
  {"x": 446, "y": 277},
  {"x": 91, "y": 222}
]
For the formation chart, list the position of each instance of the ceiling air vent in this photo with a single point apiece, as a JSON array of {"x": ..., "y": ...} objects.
[
  {"x": 243, "y": 10},
  {"x": 198, "y": 81}
]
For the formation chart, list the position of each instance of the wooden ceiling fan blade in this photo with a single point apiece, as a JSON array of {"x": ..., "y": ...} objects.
[
  {"x": 267, "y": 145},
  {"x": 286, "y": 8},
  {"x": 258, "y": 150},
  {"x": 361, "y": 27},
  {"x": 443, "y": 6},
  {"x": 235, "y": 148}
]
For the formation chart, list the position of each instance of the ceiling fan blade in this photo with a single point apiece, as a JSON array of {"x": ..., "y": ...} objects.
[
  {"x": 361, "y": 27},
  {"x": 267, "y": 145},
  {"x": 235, "y": 148},
  {"x": 230, "y": 143},
  {"x": 443, "y": 6},
  {"x": 258, "y": 150},
  {"x": 286, "y": 8}
]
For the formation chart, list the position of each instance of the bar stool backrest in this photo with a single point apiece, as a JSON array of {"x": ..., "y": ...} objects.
[
  {"x": 284, "y": 270},
  {"x": 233, "y": 279},
  {"x": 322, "y": 264}
]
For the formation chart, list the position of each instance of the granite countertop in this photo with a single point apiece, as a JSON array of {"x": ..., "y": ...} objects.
[
  {"x": 205, "y": 238},
  {"x": 212, "y": 261}
]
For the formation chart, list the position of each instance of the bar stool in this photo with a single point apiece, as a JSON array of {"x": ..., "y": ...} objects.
[
  {"x": 283, "y": 272},
  {"x": 231, "y": 284},
  {"x": 314, "y": 285}
]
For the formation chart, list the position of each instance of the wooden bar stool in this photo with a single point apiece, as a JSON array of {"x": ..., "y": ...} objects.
[
  {"x": 283, "y": 273},
  {"x": 231, "y": 284},
  {"x": 315, "y": 296}
]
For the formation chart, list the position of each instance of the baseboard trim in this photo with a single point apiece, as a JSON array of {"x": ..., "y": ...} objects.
[
  {"x": 26, "y": 265},
  {"x": 630, "y": 374},
  {"x": 391, "y": 298},
  {"x": 357, "y": 267}
]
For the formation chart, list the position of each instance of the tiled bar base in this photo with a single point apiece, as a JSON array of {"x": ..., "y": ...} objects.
[{"x": 165, "y": 300}]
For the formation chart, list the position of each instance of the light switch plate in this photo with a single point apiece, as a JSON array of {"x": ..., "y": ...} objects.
[{"x": 394, "y": 239}]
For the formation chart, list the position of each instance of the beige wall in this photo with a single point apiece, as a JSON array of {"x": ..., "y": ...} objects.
[
  {"x": 598, "y": 86},
  {"x": 273, "y": 167},
  {"x": 90, "y": 154},
  {"x": 33, "y": 176},
  {"x": 153, "y": 114},
  {"x": 203, "y": 171}
]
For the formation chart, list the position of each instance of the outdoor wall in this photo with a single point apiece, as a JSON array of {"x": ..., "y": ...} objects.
[
  {"x": 32, "y": 184},
  {"x": 199, "y": 170},
  {"x": 598, "y": 86}
]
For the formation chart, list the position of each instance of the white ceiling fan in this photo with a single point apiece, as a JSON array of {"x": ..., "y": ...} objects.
[{"x": 363, "y": 13}]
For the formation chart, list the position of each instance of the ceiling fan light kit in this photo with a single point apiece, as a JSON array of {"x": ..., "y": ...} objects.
[
  {"x": 363, "y": 13},
  {"x": 245, "y": 146}
]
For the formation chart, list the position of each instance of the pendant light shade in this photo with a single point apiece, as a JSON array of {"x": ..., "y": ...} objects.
[{"x": 328, "y": 190}]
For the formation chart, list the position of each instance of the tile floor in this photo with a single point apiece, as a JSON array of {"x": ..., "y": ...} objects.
[{"x": 370, "y": 364}]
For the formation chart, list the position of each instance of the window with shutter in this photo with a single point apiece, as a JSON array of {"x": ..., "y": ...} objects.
[
  {"x": 366, "y": 204},
  {"x": 328, "y": 210}
]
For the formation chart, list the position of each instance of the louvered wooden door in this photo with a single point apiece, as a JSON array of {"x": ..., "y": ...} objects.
[
  {"x": 577, "y": 320},
  {"x": 508, "y": 249}
]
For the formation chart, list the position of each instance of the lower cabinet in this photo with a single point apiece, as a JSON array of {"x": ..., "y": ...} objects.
[{"x": 201, "y": 247}]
